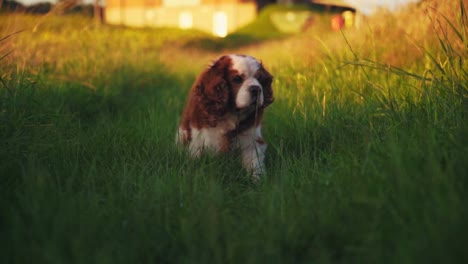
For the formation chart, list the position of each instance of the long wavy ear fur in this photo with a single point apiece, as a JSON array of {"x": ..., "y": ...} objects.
[
  {"x": 212, "y": 91},
  {"x": 266, "y": 79}
]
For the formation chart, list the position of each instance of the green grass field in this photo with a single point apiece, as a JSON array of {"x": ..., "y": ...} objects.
[{"x": 367, "y": 153}]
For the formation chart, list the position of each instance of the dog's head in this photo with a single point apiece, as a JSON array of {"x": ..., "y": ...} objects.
[{"x": 235, "y": 83}]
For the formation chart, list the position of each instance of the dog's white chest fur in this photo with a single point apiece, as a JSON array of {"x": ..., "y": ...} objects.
[{"x": 211, "y": 140}]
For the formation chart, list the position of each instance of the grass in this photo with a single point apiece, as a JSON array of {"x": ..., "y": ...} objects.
[{"x": 366, "y": 160}]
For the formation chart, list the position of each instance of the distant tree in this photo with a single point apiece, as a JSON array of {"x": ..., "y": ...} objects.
[
  {"x": 39, "y": 8},
  {"x": 262, "y": 3},
  {"x": 63, "y": 6},
  {"x": 11, "y": 6}
]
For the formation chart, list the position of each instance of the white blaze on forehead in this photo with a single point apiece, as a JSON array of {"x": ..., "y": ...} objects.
[
  {"x": 244, "y": 64},
  {"x": 247, "y": 66}
]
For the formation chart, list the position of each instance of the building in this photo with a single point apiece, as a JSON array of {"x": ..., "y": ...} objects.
[
  {"x": 219, "y": 17},
  {"x": 350, "y": 15}
]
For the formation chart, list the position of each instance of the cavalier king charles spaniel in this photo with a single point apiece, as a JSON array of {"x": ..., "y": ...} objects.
[{"x": 225, "y": 108}]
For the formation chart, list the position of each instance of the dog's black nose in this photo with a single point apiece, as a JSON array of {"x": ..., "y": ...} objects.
[{"x": 254, "y": 89}]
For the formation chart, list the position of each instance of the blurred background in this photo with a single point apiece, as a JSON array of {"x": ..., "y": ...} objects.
[{"x": 218, "y": 17}]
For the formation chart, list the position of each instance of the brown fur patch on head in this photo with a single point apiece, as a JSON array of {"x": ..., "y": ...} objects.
[{"x": 209, "y": 98}]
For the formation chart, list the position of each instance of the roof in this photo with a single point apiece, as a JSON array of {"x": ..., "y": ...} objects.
[{"x": 340, "y": 3}]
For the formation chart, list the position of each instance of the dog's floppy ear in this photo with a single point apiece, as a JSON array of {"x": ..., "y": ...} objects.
[
  {"x": 265, "y": 79},
  {"x": 212, "y": 90}
]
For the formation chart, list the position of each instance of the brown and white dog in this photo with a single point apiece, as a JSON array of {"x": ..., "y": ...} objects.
[{"x": 225, "y": 108}]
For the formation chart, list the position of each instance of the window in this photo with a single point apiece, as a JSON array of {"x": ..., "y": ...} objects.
[
  {"x": 185, "y": 20},
  {"x": 220, "y": 23}
]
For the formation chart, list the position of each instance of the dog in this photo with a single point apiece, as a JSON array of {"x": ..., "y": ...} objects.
[{"x": 224, "y": 111}]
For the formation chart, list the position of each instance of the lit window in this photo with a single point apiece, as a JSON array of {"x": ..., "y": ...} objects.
[
  {"x": 149, "y": 14},
  {"x": 220, "y": 23},
  {"x": 185, "y": 20}
]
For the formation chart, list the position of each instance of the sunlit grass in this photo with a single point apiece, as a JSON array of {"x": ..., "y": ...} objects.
[{"x": 366, "y": 150}]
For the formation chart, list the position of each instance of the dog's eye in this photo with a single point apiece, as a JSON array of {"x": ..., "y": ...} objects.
[{"x": 237, "y": 79}]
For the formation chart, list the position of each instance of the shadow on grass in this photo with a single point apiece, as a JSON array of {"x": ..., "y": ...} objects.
[
  {"x": 53, "y": 119},
  {"x": 233, "y": 41}
]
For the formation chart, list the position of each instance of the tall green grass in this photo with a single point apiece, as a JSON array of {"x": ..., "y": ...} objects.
[{"x": 366, "y": 161}]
